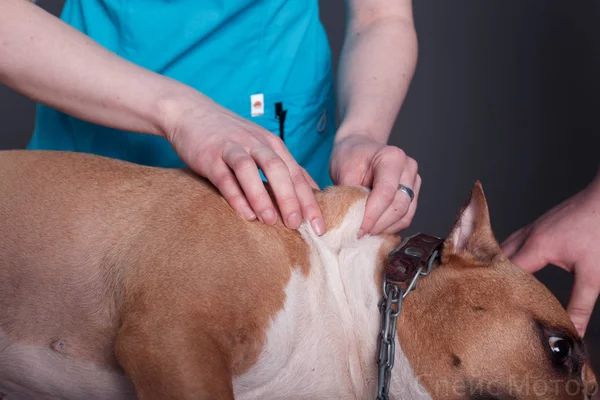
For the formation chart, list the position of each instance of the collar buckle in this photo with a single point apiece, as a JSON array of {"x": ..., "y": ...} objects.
[{"x": 414, "y": 253}]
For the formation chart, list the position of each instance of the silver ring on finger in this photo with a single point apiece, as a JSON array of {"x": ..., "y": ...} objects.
[{"x": 407, "y": 190}]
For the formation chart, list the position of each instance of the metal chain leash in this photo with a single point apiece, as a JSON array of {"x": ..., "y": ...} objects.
[{"x": 390, "y": 308}]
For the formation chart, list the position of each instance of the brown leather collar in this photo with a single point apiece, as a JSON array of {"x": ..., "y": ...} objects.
[{"x": 414, "y": 253}]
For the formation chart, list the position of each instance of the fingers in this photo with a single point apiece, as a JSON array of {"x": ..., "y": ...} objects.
[
  {"x": 230, "y": 155},
  {"x": 308, "y": 201},
  {"x": 294, "y": 194},
  {"x": 386, "y": 177},
  {"x": 279, "y": 177},
  {"x": 583, "y": 298},
  {"x": 399, "y": 207},
  {"x": 514, "y": 242},
  {"x": 237, "y": 178},
  {"x": 407, "y": 219},
  {"x": 401, "y": 204},
  {"x": 246, "y": 171},
  {"x": 526, "y": 251},
  {"x": 222, "y": 177},
  {"x": 304, "y": 186},
  {"x": 529, "y": 250}
]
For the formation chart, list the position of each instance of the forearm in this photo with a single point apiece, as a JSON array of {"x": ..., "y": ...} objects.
[
  {"x": 53, "y": 63},
  {"x": 376, "y": 67}
]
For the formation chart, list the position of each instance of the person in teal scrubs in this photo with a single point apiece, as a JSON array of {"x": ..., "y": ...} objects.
[{"x": 236, "y": 90}]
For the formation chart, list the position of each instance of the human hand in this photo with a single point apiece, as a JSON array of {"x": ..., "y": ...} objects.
[
  {"x": 361, "y": 160},
  {"x": 566, "y": 236},
  {"x": 228, "y": 150}
]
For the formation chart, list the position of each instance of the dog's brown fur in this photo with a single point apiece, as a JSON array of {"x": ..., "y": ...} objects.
[
  {"x": 489, "y": 314},
  {"x": 119, "y": 254},
  {"x": 102, "y": 216}
]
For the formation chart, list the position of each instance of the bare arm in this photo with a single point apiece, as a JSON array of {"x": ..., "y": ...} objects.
[
  {"x": 376, "y": 67},
  {"x": 53, "y": 63}
]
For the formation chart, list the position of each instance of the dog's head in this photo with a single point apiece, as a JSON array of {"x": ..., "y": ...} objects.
[{"x": 479, "y": 327}]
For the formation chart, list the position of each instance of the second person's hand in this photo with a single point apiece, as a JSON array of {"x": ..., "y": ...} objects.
[
  {"x": 566, "y": 236},
  {"x": 229, "y": 151}
]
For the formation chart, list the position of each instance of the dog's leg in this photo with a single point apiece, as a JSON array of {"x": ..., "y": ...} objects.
[{"x": 169, "y": 360}]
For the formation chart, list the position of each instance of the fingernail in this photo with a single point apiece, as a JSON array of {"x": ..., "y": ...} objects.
[
  {"x": 318, "y": 226},
  {"x": 361, "y": 233},
  {"x": 268, "y": 216},
  {"x": 294, "y": 220},
  {"x": 248, "y": 214}
]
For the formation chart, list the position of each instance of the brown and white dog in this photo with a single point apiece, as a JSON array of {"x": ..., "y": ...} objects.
[{"x": 120, "y": 282}]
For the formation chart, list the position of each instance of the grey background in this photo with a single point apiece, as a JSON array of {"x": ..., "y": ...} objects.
[{"x": 506, "y": 91}]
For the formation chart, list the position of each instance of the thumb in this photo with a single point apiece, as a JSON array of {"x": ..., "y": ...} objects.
[
  {"x": 530, "y": 256},
  {"x": 515, "y": 241},
  {"x": 583, "y": 298}
]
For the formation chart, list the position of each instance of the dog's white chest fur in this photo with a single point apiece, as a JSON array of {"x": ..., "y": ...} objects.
[{"x": 323, "y": 343}]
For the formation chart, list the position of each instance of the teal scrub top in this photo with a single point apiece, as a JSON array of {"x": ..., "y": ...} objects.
[{"x": 227, "y": 49}]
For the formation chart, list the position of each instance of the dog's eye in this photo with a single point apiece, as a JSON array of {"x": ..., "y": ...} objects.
[{"x": 560, "y": 348}]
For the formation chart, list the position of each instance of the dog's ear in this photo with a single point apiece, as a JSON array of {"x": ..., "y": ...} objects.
[{"x": 472, "y": 236}]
